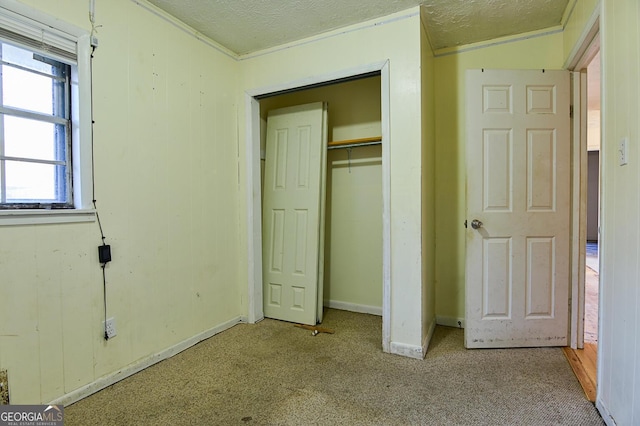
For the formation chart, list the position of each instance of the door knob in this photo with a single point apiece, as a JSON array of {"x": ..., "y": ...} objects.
[{"x": 476, "y": 224}]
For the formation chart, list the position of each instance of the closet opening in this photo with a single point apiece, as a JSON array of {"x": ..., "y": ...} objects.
[
  {"x": 352, "y": 278},
  {"x": 356, "y": 243}
]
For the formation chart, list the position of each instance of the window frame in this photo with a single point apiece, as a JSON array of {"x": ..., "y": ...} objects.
[
  {"x": 61, "y": 116},
  {"x": 30, "y": 22}
]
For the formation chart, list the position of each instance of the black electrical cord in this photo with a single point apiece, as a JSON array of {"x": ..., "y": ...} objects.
[
  {"x": 93, "y": 162},
  {"x": 93, "y": 195},
  {"x": 104, "y": 291},
  {"x": 104, "y": 274}
]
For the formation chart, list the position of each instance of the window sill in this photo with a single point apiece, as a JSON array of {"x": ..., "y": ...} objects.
[{"x": 38, "y": 217}]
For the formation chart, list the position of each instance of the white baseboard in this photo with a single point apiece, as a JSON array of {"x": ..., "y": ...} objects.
[
  {"x": 141, "y": 364},
  {"x": 403, "y": 349},
  {"x": 604, "y": 413},
  {"x": 450, "y": 321},
  {"x": 413, "y": 351},
  {"x": 427, "y": 338},
  {"x": 353, "y": 307}
]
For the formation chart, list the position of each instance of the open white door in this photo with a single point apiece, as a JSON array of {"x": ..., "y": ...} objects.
[
  {"x": 292, "y": 220},
  {"x": 323, "y": 210},
  {"x": 518, "y": 205}
]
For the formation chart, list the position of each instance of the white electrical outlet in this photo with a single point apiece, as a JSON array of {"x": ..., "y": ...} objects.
[
  {"x": 623, "y": 151},
  {"x": 110, "y": 328}
]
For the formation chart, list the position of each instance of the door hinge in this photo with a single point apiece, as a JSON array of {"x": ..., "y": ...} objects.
[
  {"x": 465, "y": 223},
  {"x": 570, "y": 111}
]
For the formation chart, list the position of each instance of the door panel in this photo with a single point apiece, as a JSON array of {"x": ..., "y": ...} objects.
[
  {"x": 541, "y": 170},
  {"x": 497, "y": 279},
  {"x": 518, "y": 165},
  {"x": 497, "y": 180},
  {"x": 294, "y": 175},
  {"x": 540, "y": 277}
]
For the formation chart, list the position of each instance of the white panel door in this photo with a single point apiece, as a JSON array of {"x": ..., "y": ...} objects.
[
  {"x": 293, "y": 192},
  {"x": 518, "y": 204}
]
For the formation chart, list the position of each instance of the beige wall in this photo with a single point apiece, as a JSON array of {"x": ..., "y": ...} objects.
[
  {"x": 534, "y": 53},
  {"x": 619, "y": 357},
  {"x": 428, "y": 79},
  {"x": 167, "y": 152},
  {"x": 170, "y": 185},
  {"x": 581, "y": 12},
  {"x": 353, "y": 248},
  {"x": 165, "y": 176},
  {"x": 398, "y": 42},
  {"x": 353, "y": 243},
  {"x": 593, "y": 191}
]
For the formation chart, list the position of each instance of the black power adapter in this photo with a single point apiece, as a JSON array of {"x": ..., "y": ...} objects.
[{"x": 104, "y": 253}]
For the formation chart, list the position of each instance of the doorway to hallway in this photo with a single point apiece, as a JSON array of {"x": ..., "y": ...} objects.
[{"x": 583, "y": 358}]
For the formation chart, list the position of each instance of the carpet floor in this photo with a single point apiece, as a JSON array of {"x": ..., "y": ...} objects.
[{"x": 273, "y": 373}]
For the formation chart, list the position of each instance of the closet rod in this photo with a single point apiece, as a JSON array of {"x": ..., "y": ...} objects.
[
  {"x": 351, "y": 143},
  {"x": 354, "y": 145}
]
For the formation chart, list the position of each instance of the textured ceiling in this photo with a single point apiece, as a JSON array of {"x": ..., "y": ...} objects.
[
  {"x": 246, "y": 26},
  {"x": 458, "y": 22}
]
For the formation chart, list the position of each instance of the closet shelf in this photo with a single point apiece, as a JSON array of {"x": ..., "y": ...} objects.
[{"x": 355, "y": 142}]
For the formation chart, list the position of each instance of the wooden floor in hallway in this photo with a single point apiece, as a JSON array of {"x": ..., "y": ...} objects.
[
  {"x": 583, "y": 364},
  {"x": 584, "y": 361}
]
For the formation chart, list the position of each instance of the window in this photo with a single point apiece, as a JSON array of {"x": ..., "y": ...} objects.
[
  {"x": 35, "y": 136},
  {"x": 45, "y": 119}
]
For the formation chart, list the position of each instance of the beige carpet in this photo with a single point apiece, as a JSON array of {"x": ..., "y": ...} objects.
[{"x": 273, "y": 373}]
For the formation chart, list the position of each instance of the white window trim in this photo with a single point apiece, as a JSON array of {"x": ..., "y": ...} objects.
[
  {"x": 81, "y": 123},
  {"x": 35, "y": 217}
]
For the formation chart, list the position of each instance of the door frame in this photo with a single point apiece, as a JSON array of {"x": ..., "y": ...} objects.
[
  {"x": 578, "y": 208},
  {"x": 583, "y": 52},
  {"x": 254, "y": 190}
]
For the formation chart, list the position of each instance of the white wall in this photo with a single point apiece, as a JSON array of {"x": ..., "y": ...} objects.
[
  {"x": 619, "y": 356},
  {"x": 166, "y": 185},
  {"x": 395, "y": 38}
]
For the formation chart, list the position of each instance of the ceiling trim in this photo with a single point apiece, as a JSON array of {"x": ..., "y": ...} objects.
[
  {"x": 427, "y": 34},
  {"x": 497, "y": 41},
  {"x": 398, "y": 16},
  {"x": 394, "y": 17},
  {"x": 568, "y": 11},
  {"x": 172, "y": 20}
]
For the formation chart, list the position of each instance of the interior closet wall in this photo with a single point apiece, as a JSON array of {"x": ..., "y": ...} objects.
[
  {"x": 353, "y": 235},
  {"x": 593, "y": 193}
]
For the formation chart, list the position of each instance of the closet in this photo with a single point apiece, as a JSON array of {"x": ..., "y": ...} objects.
[{"x": 353, "y": 213}]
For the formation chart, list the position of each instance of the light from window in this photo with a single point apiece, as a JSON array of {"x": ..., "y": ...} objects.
[{"x": 35, "y": 130}]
